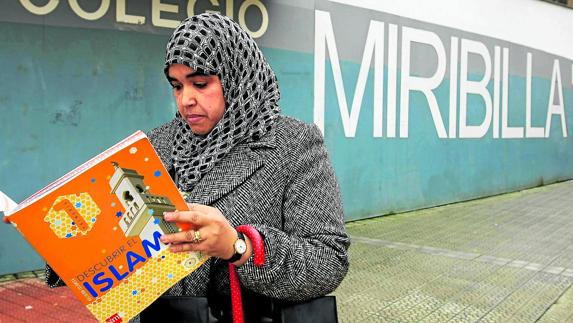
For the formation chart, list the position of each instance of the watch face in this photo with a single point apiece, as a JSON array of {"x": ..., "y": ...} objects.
[{"x": 240, "y": 246}]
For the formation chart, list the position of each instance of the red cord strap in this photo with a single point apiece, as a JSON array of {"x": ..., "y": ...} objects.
[{"x": 259, "y": 255}]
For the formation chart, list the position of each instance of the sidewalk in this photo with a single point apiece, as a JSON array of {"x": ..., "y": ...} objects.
[
  {"x": 507, "y": 258},
  {"x": 30, "y": 300}
]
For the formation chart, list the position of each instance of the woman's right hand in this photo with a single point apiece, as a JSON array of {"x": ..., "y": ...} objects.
[{"x": 216, "y": 235}]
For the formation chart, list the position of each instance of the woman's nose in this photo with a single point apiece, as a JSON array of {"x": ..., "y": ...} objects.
[{"x": 189, "y": 96}]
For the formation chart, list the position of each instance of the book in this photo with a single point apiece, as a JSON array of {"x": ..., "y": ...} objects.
[{"x": 99, "y": 225}]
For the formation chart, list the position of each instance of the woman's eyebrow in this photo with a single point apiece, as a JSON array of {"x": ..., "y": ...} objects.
[
  {"x": 190, "y": 75},
  {"x": 196, "y": 73}
]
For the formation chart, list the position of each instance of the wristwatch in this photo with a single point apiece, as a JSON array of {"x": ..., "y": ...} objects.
[{"x": 240, "y": 247}]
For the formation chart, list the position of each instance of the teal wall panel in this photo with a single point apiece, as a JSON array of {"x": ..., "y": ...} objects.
[
  {"x": 385, "y": 175},
  {"x": 66, "y": 95}
]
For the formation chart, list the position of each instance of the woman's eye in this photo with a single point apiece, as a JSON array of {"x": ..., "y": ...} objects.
[{"x": 200, "y": 85}]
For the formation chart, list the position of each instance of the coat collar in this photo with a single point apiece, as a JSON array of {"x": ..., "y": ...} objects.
[
  {"x": 232, "y": 170},
  {"x": 267, "y": 141}
]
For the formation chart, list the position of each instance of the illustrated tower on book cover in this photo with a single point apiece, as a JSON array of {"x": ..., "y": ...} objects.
[{"x": 143, "y": 210}]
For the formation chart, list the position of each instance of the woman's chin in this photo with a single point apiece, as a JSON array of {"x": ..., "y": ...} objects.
[{"x": 199, "y": 131}]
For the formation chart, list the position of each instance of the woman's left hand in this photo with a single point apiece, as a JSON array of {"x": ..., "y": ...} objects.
[{"x": 213, "y": 234}]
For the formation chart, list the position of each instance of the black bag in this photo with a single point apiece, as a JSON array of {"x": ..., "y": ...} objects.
[
  {"x": 179, "y": 309},
  {"x": 318, "y": 310},
  {"x": 176, "y": 309}
]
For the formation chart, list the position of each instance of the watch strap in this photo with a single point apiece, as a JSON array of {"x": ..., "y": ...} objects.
[{"x": 236, "y": 256}]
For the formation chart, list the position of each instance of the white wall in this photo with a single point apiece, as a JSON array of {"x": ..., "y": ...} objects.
[{"x": 531, "y": 23}]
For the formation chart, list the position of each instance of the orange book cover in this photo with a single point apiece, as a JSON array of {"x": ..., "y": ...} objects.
[{"x": 99, "y": 226}]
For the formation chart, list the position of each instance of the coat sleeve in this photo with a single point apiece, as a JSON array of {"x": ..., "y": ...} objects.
[
  {"x": 52, "y": 278},
  {"x": 161, "y": 139},
  {"x": 308, "y": 258}
]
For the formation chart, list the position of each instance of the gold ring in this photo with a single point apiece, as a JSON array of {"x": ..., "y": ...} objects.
[{"x": 196, "y": 237}]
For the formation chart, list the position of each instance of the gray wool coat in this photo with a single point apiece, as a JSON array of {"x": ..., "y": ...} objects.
[{"x": 285, "y": 187}]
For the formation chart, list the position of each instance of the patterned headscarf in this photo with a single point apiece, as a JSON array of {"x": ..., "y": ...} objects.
[{"x": 216, "y": 45}]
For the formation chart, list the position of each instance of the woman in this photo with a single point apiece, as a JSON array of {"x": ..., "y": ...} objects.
[{"x": 239, "y": 161}]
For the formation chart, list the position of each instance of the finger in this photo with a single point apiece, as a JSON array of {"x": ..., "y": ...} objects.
[
  {"x": 193, "y": 217},
  {"x": 199, "y": 207},
  {"x": 189, "y": 236},
  {"x": 186, "y": 247}
]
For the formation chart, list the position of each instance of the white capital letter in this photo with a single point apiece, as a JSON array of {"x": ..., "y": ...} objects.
[
  {"x": 122, "y": 16},
  {"x": 474, "y": 87},
  {"x": 100, "y": 12},
  {"x": 40, "y": 11},
  {"x": 392, "y": 76},
  {"x": 530, "y": 132},
  {"x": 453, "y": 86},
  {"x": 264, "y": 17},
  {"x": 422, "y": 84},
  {"x": 506, "y": 130},
  {"x": 156, "y": 8},
  {"x": 324, "y": 36},
  {"x": 496, "y": 95},
  {"x": 559, "y": 107}
]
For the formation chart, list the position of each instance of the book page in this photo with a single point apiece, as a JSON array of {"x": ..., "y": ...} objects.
[{"x": 6, "y": 203}]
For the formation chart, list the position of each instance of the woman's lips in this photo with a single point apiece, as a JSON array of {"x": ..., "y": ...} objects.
[{"x": 194, "y": 118}]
